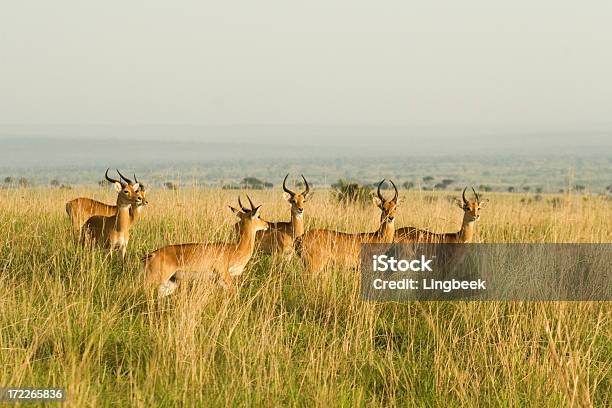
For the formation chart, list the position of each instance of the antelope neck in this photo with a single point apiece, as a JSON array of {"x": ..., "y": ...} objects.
[
  {"x": 246, "y": 241},
  {"x": 386, "y": 231},
  {"x": 466, "y": 233},
  {"x": 297, "y": 224},
  {"x": 122, "y": 222}
]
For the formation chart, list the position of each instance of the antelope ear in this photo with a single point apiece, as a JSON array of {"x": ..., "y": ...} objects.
[
  {"x": 483, "y": 202},
  {"x": 376, "y": 201},
  {"x": 256, "y": 212},
  {"x": 118, "y": 186},
  {"x": 136, "y": 186},
  {"x": 458, "y": 202},
  {"x": 308, "y": 196},
  {"x": 286, "y": 196},
  {"x": 234, "y": 210}
]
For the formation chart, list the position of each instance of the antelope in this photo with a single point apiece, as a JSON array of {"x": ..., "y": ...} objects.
[
  {"x": 112, "y": 232},
  {"x": 319, "y": 247},
  {"x": 471, "y": 214},
  {"x": 278, "y": 239},
  {"x": 168, "y": 266},
  {"x": 81, "y": 209}
]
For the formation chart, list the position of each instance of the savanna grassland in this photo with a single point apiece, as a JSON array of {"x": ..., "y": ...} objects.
[{"x": 75, "y": 318}]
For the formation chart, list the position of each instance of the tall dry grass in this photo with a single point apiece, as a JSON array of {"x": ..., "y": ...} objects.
[{"x": 72, "y": 317}]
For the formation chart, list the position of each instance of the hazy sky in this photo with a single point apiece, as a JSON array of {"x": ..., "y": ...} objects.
[{"x": 533, "y": 64}]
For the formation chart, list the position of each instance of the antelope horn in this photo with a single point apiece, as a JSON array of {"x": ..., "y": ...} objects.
[
  {"x": 250, "y": 202},
  {"x": 464, "y": 199},
  {"x": 378, "y": 191},
  {"x": 112, "y": 180},
  {"x": 142, "y": 187},
  {"x": 396, "y": 193},
  {"x": 130, "y": 182},
  {"x": 285, "y": 189},
  {"x": 307, "y": 190},
  {"x": 476, "y": 195},
  {"x": 242, "y": 206}
]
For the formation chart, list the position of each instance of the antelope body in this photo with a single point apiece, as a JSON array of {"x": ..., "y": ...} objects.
[
  {"x": 81, "y": 209},
  {"x": 320, "y": 247},
  {"x": 112, "y": 232},
  {"x": 168, "y": 266},
  {"x": 471, "y": 214},
  {"x": 279, "y": 238}
]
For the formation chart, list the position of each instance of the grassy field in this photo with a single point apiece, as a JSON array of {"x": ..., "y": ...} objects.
[{"x": 72, "y": 317}]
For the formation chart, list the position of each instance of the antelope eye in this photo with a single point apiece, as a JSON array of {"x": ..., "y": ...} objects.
[{"x": 125, "y": 192}]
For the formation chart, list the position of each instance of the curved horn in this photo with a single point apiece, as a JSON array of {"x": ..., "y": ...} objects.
[
  {"x": 464, "y": 199},
  {"x": 110, "y": 179},
  {"x": 378, "y": 191},
  {"x": 142, "y": 187},
  {"x": 250, "y": 202},
  {"x": 476, "y": 195},
  {"x": 242, "y": 206},
  {"x": 130, "y": 182},
  {"x": 307, "y": 190},
  {"x": 396, "y": 193},
  {"x": 285, "y": 189}
]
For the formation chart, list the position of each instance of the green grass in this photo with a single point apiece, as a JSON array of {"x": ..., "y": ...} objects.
[{"x": 72, "y": 317}]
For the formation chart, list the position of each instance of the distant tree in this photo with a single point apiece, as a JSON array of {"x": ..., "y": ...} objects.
[
  {"x": 485, "y": 188},
  {"x": 55, "y": 183},
  {"x": 8, "y": 180},
  {"x": 255, "y": 183},
  {"x": 65, "y": 187},
  {"x": 408, "y": 185},
  {"x": 23, "y": 182},
  {"x": 448, "y": 182},
  {"x": 511, "y": 189},
  {"x": 579, "y": 187},
  {"x": 170, "y": 185},
  {"x": 428, "y": 179},
  {"x": 439, "y": 186},
  {"x": 102, "y": 183},
  {"x": 539, "y": 190},
  {"x": 526, "y": 189},
  {"x": 351, "y": 193},
  {"x": 251, "y": 182}
]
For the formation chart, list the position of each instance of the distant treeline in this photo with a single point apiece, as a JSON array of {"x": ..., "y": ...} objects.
[{"x": 346, "y": 190}]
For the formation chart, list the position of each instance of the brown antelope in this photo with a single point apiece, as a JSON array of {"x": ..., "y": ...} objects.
[
  {"x": 168, "y": 266},
  {"x": 278, "y": 239},
  {"x": 320, "y": 247},
  {"x": 112, "y": 232},
  {"x": 471, "y": 214},
  {"x": 81, "y": 209}
]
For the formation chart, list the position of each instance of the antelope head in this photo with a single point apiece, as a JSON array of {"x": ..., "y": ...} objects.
[
  {"x": 127, "y": 192},
  {"x": 249, "y": 217},
  {"x": 297, "y": 200},
  {"x": 388, "y": 208},
  {"x": 471, "y": 207},
  {"x": 141, "y": 189}
]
